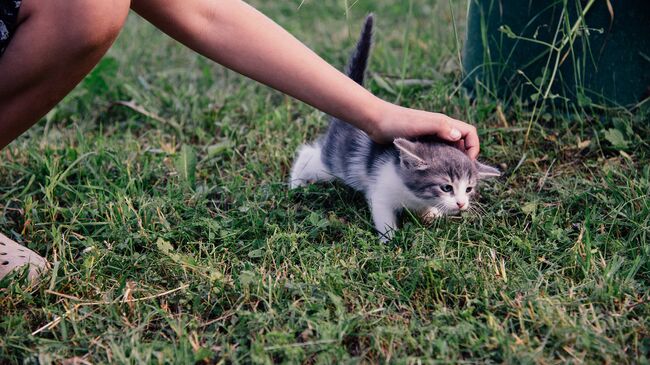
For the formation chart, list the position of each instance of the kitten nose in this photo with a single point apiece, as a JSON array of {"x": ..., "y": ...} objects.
[{"x": 460, "y": 205}]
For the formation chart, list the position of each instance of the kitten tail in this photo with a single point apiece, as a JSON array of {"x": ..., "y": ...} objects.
[{"x": 358, "y": 63}]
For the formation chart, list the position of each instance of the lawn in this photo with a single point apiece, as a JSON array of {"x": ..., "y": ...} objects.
[{"x": 158, "y": 190}]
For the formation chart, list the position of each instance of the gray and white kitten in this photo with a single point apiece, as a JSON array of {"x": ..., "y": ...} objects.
[{"x": 431, "y": 178}]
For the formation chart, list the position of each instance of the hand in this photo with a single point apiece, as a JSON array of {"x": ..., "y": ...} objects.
[{"x": 395, "y": 121}]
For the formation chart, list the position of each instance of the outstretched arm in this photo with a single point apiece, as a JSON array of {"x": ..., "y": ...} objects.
[{"x": 239, "y": 37}]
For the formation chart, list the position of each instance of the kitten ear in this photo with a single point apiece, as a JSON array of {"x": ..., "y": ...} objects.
[
  {"x": 486, "y": 172},
  {"x": 408, "y": 156}
]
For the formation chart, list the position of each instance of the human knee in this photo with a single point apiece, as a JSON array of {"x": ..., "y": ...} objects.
[
  {"x": 101, "y": 22},
  {"x": 87, "y": 25}
]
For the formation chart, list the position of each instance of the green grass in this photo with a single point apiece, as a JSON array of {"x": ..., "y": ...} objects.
[{"x": 175, "y": 239}]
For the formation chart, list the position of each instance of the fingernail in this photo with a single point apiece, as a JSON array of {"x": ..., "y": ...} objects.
[{"x": 455, "y": 134}]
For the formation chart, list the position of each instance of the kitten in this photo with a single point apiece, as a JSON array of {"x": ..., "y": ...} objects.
[{"x": 429, "y": 177}]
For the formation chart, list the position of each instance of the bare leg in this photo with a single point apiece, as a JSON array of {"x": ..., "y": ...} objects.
[{"x": 57, "y": 42}]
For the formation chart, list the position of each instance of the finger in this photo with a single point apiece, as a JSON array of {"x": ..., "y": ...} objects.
[
  {"x": 448, "y": 129},
  {"x": 472, "y": 144},
  {"x": 453, "y": 130},
  {"x": 460, "y": 145},
  {"x": 470, "y": 139}
]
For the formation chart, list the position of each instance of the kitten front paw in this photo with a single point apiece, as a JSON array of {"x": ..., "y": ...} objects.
[
  {"x": 431, "y": 214},
  {"x": 385, "y": 237},
  {"x": 298, "y": 183}
]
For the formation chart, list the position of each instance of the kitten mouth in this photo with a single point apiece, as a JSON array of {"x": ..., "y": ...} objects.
[
  {"x": 457, "y": 211},
  {"x": 451, "y": 211}
]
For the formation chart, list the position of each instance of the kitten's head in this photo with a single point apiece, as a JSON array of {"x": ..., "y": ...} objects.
[{"x": 441, "y": 175}]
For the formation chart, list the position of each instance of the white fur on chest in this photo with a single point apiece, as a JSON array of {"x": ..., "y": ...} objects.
[{"x": 388, "y": 187}]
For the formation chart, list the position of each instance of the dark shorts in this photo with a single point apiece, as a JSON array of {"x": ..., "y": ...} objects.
[{"x": 8, "y": 19}]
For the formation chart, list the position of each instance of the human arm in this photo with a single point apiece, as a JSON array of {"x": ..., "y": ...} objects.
[{"x": 241, "y": 38}]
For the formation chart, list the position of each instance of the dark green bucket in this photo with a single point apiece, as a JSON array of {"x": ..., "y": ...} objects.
[{"x": 601, "y": 58}]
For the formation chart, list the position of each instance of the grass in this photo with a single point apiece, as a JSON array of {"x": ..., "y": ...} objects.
[{"x": 175, "y": 239}]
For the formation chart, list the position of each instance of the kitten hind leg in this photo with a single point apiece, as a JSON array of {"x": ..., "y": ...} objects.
[{"x": 308, "y": 167}]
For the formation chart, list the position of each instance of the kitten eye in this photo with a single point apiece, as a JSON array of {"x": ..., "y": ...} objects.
[
  {"x": 446, "y": 188},
  {"x": 468, "y": 189}
]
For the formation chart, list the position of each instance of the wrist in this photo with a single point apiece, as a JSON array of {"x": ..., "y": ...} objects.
[{"x": 375, "y": 119}]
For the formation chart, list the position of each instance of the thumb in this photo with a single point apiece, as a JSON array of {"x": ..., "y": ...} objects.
[
  {"x": 453, "y": 134},
  {"x": 447, "y": 131}
]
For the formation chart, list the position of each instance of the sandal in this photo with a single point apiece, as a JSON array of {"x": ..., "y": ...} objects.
[{"x": 14, "y": 256}]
